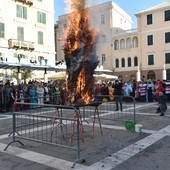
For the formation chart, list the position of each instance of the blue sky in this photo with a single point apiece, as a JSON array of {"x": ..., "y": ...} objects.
[{"x": 130, "y": 6}]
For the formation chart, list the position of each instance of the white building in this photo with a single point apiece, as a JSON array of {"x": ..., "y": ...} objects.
[
  {"x": 27, "y": 32},
  {"x": 107, "y": 18}
]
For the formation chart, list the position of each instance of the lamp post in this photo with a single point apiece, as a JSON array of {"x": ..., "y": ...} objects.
[
  {"x": 19, "y": 75},
  {"x": 45, "y": 75}
]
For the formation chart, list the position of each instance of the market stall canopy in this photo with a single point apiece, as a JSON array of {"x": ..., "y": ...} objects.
[
  {"x": 61, "y": 75},
  {"x": 105, "y": 77},
  {"x": 26, "y": 66}
]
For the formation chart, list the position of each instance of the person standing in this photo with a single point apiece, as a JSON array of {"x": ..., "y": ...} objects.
[
  {"x": 40, "y": 94},
  {"x": 46, "y": 93},
  {"x": 118, "y": 92},
  {"x": 142, "y": 91},
  {"x": 150, "y": 90},
  {"x": 167, "y": 89},
  {"x": 158, "y": 88},
  {"x": 33, "y": 96}
]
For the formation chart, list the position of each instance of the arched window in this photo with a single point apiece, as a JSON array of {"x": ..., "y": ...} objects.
[
  {"x": 122, "y": 44},
  {"x": 123, "y": 62},
  {"x": 135, "y": 42},
  {"x": 151, "y": 75},
  {"x": 132, "y": 77},
  {"x": 135, "y": 61},
  {"x": 120, "y": 77},
  {"x": 117, "y": 63},
  {"x": 129, "y": 62},
  {"x": 128, "y": 43},
  {"x": 116, "y": 45}
]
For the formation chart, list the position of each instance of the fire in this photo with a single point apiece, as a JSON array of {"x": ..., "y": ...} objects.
[{"x": 80, "y": 54}]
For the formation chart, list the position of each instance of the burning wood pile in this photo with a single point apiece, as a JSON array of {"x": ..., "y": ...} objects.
[{"x": 80, "y": 55}]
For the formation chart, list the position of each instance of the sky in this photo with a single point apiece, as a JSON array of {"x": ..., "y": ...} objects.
[{"x": 129, "y": 6}]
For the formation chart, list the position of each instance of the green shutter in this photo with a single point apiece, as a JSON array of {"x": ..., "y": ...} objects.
[
  {"x": 18, "y": 10},
  {"x": 38, "y": 16},
  {"x": 25, "y": 12},
  {"x": 44, "y": 18}
]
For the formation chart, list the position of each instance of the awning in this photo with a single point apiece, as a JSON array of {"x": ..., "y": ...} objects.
[{"x": 26, "y": 67}]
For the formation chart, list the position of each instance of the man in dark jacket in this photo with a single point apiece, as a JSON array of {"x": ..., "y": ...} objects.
[
  {"x": 118, "y": 92},
  {"x": 162, "y": 102}
]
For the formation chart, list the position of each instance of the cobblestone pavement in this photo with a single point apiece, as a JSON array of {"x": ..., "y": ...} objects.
[{"x": 116, "y": 149}]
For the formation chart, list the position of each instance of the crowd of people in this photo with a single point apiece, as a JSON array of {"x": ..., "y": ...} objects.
[
  {"x": 54, "y": 92},
  {"x": 33, "y": 92},
  {"x": 143, "y": 91}
]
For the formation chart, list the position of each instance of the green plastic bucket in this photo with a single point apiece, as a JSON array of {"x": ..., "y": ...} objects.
[{"x": 129, "y": 125}]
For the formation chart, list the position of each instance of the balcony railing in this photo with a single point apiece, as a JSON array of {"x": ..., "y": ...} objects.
[
  {"x": 27, "y": 2},
  {"x": 24, "y": 45}
]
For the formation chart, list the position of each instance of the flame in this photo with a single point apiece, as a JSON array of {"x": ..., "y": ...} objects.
[
  {"x": 82, "y": 89},
  {"x": 78, "y": 28},
  {"x": 78, "y": 49}
]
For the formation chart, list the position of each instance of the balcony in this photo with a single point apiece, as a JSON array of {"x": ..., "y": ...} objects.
[
  {"x": 27, "y": 2},
  {"x": 23, "y": 45}
]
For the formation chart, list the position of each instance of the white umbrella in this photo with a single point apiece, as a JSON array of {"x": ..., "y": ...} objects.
[
  {"x": 61, "y": 75},
  {"x": 105, "y": 77}
]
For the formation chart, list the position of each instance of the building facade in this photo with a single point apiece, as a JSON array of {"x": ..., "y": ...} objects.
[
  {"x": 103, "y": 18},
  {"x": 154, "y": 41},
  {"x": 125, "y": 55},
  {"x": 142, "y": 53},
  {"x": 27, "y": 32}
]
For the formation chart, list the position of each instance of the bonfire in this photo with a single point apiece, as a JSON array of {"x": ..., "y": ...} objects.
[{"x": 80, "y": 54}]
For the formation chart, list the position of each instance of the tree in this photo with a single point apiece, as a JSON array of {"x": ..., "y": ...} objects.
[{"x": 25, "y": 74}]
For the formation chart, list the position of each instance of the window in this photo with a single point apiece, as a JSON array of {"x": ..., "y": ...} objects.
[
  {"x": 102, "y": 19},
  {"x": 167, "y": 58},
  {"x": 41, "y": 17},
  {"x": 167, "y": 15},
  {"x": 103, "y": 58},
  {"x": 167, "y": 37},
  {"x": 150, "y": 39},
  {"x": 151, "y": 75},
  {"x": 128, "y": 43},
  {"x": 135, "y": 61},
  {"x": 129, "y": 62},
  {"x": 116, "y": 45},
  {"x": 117, "y": 63},
  {"x": 150, "y": 59},
  {"x": 2, "y": 30},
  {"x": 20, "y": 33},
  {"x": 122, "y": 44},
  {"x": 123, "y": 62},
  {"x": 149, "y": 19},
  {"x": 40, "y": 38},
  {"x": 135, "y": 42},
  {"x": 132, "y": 77},
  {"x": 21, "y": 12}
]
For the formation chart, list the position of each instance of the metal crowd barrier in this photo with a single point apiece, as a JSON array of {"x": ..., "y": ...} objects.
[
  {"x": 63, "y": 126},
  {"x": 108, "y": 110},
  {"x": 46, "y": 124}
]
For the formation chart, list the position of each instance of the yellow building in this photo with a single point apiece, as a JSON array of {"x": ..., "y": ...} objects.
[{"x": 141, "y": 53}]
